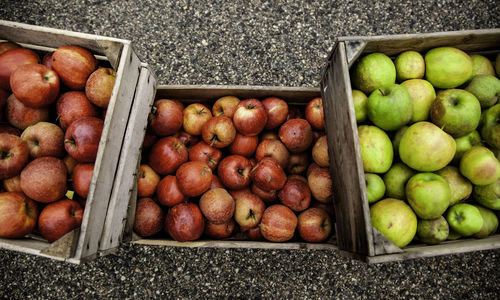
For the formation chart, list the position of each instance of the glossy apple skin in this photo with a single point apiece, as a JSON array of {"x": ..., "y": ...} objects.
[
  {"x": 187, "y": 139},
  {"x": 314, "y": 113},
  {"x": 250, "y": 117},
  {"x": 184, "y": 222},
  {"x": 225, "y": 106},
  {"x": 166, "y": 118},
  {"x": 248, "y": 211},
  {"x": 194, "y": 116},
  {"x": 297, "y": 163},
  {"x": 74, "y": 65},
  {"x": 205, "y": 153},
  {"x": 277, "y": 111},
  {"x": 274, "y": 149},
  {"x": 217, "y": 206},
  {"x": 320, "y": 152},
  {"x": 99, "y": 86},
  {"x": 296, "y": 134},
  {"x": 266, "y": 196},
  {"x": 314, "y": 225},
  {"x": 82, "y": 177},
  {"x": 59, "y": 218},
  {"x": 268, "y": 175},
  {"x": 149, "y": 217},
  {"x": 44, "y": 139},
  {"x": 295, "y": 194},
  {"x": 12, "y": 59},
  {"x": 320, "y": 184},
  {"x": 218, "y": 132},
  {"x": 244, "y": 145},
  {"x": 278, "y": 223},
  {"x": 22, "y": 116},
  {"x": 234, "y": 172},
  {"x": 35, "y": 85},
  {"x": 168, "y": 192},
  {"x": 44, "y": 179},
  {"x": 147, "y": 181},
  {"x": 82, "y": 137},
  {"x": 167, "y": 154},
  {"x": 14, "y": 154},
  {"x": 12, "y": 184},
  {"x": 220, "y": 231},
  {"x": 18, "y": 215},
  {"x": 74, "y": 105},
  {"x": 194, "y": 178}
]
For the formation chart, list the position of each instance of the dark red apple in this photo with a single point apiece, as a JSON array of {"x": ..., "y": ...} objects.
[
  {"x": 149, "y": 217},
  {"x": 165, "y": 118},
  {"x": 298, "y": 163},
  {"x": 295, "y": 194},
  {"x": 184, "y": 222},
  {"x": 149, "y": 140},
  {"x": 11, "y": 59},
  {"x": 250, "y": 117},
  {"x": 18, "y": 215},
  {"x": 296, "y": 134},
  {"x": 22, "y": 116},
  {"x": 35, "y": 85},
  {"x": 314, "y": 113},
  {"x": 74, "y": 65},
  {"x": 82, "y": 177},
  {"x": 14, "y": 154},
  {"x": 234, "y": 172},
  {"x": 147, "y": 181},
  {"x": 314, "y": 225},
  {"x": 218, "y": 132},
  {"x": 266, "y": 196},
  {"x": 274, "y": 149},
  {"x": 225, "y": 106},
  {"x": 12, "y": 184},
  {"x": 278, "y": 223},
  {"x": 217, "y": 206},
  {"x": 268, "y": 175},
  {"x": 277, "y": 111},
  {"x": 59, "y": 218},
  {"x": 194, "y": 178},
  {"x": 219, "y": 231},
  {"x": 167, "y": 154},
  {"x": 248, "y": 211},
  {"x": 205, "y": 153},
  {"x": 195, "y": 115},
  {"x": 244, "y": 145},
  {"x": 99, "y": 86},
  {"x": 72, "y": 106},
  {"x": 44, "y": 139},
  {"x": 44, "y": 179},
  {"x": 82, "y": 138},
  {"x": 168, "y": 192},
  {"x": 320, "y": 184}
]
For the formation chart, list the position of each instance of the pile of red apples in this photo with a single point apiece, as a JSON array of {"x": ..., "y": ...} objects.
[
  {"x": 51, "y": 114},
  {"x": 240, "y": 169}
]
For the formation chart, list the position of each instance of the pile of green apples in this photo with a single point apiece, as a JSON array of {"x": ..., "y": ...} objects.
[{"x": 429, "y": 136}]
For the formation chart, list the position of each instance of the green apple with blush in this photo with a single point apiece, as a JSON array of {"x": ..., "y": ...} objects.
[
  {"x": 373, "y": 71},
  {"x": 422, "y": 94},
  {"x": 433, "y": 231},
  {"x": 447, "y": 67},
  {"x": 465, "y": 219},
  {"x": 460, "y": 187},
  {"x": 395, "y": 180},
  {"x": 480, "y": 166},
  {"x": 359, "y": 99},
  {"x": 428, "y": 195},
  {"x": 375, "y": 187},
  {"x": 376, "y": 149},
  {"x": 390, "y": 107},
  {"x": 409, "y": 65}
]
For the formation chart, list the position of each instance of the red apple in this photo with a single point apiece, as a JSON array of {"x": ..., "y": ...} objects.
[
  {"x": 72, "y": 106},
  {"x": 82, "y": 177},
  {"x": 44, "y": 139},
  {"x": 217, "y": 206},
  {"x": 194, "y": 178},
  {"x": 274, "y": 149},
  {"x": 314, "y": 113},
  {"x": 3, "y": 102},
  {"x": 244, "y": 145},
  {"x": 225, "y": 106},
  {"x": 168, "y": 192},
  {"x": 187, "y": 139},
  {"x": 320, "y": 152},
  {"x": 320, "y": 184},
  {"x": 14, "y": 155},
  {"x": 7, "y": 45},
  {"x": 238, "y": 193},
  {"x": 317, "y": 135},
  {"x": 149, "y": 140},
  {"x": 297, "y": 163},
  {"x": 22, "y": 116},
  {"x": 35, "y": 85},
  {"x": 248, "y": 210},
  {"x": 295, "y": 194},
  {"x": 11, "y": 59},
  {"x": 70, "y": 163},
  {"x": 268, "y": 175},
  {"x": 269, "y": 135},
  {"x": 266, "y": 196},
  {"x": 314, "y": 225},
  {"x": 99, "y": 86},
  {"x": 218, "y": 132},
  {"x": 278, "y": 223},
  {"x": 74, "y": 65},
  {"x": 147, "y": 181},
  {"x": 254, "y": 234},
  {"x": 195, "y": 115},
  {"x": 82, "y": 137},
  {"x": 166, "y": 117},
  {"x": 18, "y": 215},
  {"x": 294, "y": 113},
  {"x": 234, "y": 172},
  {"x": 4, "y": 128},
  {"x": 216, "y": 183},
  {"x": 250, "y": 117},
  {"x": 12, "y": 184},
  {"x": 296, "y": 134},
  {"x": 44, "y": 179},
  {"x": 328, "y": 207},
  {"x": 59, "y": 218},
  {"x": 205, "y": 153},
  {"x": 47, "y": 60},
  {"x": 167, "y": 154},
  {"x": 184, "y": 222},
  {"x": 149, "y": 217},
  {"x": 313, "y": 166},
  {"x": 219, "y": 231},
  {"x": 277, "y": 111}
]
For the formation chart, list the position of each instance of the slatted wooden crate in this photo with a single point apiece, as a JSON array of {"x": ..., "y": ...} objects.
[
  {"x": 355, "y": 234},
  {"x": 83, "y": 244}
]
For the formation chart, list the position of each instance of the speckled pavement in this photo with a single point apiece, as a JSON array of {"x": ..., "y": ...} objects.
[{"x": 247, "y": 43}]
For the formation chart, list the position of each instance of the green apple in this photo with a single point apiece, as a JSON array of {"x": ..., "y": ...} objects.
[
  {"x": 456, "y": 111},
  {"x": 490, "y": 130},
  {"x": 359, "y": 99},
  {"x": 465, "y": 219},
  {"x": 447, "y": 67},
  {"x": 460, "y": 187},
  {"x": 375, "y": 187},
  {"x": 395, "y": 220},
  {"x": 422, "y": 94},
  {"x": 481, "y": 65},
  {"x": 453, "y": 235},
  {"x": 390, "y": 107},
  {"x": 465, "y": 143},
  {"x": 396, "y": 139},
  {"x": 373, "y": 71},
  {"x": 409, "y": 65},
  {"x": 490, "y": 222},
  {"x": 433, "y": 231},
  {"x": 486, "y": 88},
  {"x": 376, "y": 149},
  {"x": 426, "y": 148},
  {"x": 480, "y": 166},
  {"x": 497, "y": 64},
  {"x": 488, "y": 195},
  {"x": 428, "y": 194},
  {"x": 395, "y": 180}
]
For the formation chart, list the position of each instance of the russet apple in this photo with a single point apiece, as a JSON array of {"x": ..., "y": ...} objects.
[
  {"x": 22, "y": 116},
  {"x": 244, "y": 145},
  {"x": 82, "y": 138},
  {"x": 99, "y": 86},
  {"x": 488, "y": 195},
  {"x": 14, "y": 154},
  {"x": 218, "y": 132},
  {"x": 491, "y": 127},
  {"x": 278, "y": 223},
  {"x": 314, "y": 113},
  {"x": 195, "y": 115},
  {"x": 44, "y": 139},
  {"x": 11, "y": 59},
  {"x": 74, "y": 105},
  {"x": 250, "y": 117},
  {"x": 217, "y": 206},
  {"x": 194, "y": 178},
  {"x": 225, "y": 106},
  {"x": 268, "y": 175},
  {"x": 166, "y": 117},
  {"x": 274, "y": 149},
  {"x": 149, "y": 217},
  {"x": 184, "y": 222},
  {"x": 314, "y": 225},
  {"x": 18, "y": 215},
  {"x": 248, "y": 210},
  {"x": 481, "y": 65},
  {"x": 168, "y": 192},
  {"x": 74, "y": 65},
  {"x": 277, "y": 111},
  {"x": 296, "y": 134},
  {"x": 167, "y": 154},
  {"x": 486, "y": 88},
  {"x": 58, "y": 218},
  {"x": 147, "y": 181},
  {"x": 82, "y": 178},
  {"x": 44, "y": 179},
  {"x": 205, "y": 153},
  {"x": 295, "y": 194}
]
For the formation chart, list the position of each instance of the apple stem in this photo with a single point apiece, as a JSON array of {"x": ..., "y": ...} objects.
[{"x": 382, "y": 92}]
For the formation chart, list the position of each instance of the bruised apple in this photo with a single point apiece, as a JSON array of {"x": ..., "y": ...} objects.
[
  {"x": 268, "y": 175},
  {"x": 295, "y": 194},
  {"x": 184, "y": 222}
]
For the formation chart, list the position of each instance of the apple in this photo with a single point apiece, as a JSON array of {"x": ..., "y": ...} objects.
[
  {"x": 4, "y": 128},
  {"x": 165, "y": 118},
  {"x": 219, "y": 231},
  {"x": 409, "y": 65},
  {"x": 330, "y": 210},
  {"x": 239, "y": 193},
  {"x": 250, "y": 117},
  {"x": 3, "y": 102},
  {"x": 225, "y": 106},
  {"x": 426, "y": 148},
  {"x": 44, "y": 179},
  {"x": 11, "y": 59},
  {"x": 486, "y": 88},
  {"x": 360, "y": 99},
  {"x": 452, "y": 236},
  {"x": 99, "y": 86},
  {"x": 168, "y": 192},
  {"x": 295, "y": 194},
  {"x": 167, "y": 154},
  {"x": 465, "y": 143},
  {"x": 491, "y": 128},
  {"x": 314, "y": 113},
  {"x": 480, "y": 166},
  {"x": 373, "y": 71},
  {"x": 184, "y": 222},
  {"x": 320, "y": 183},
  {"x": 274, "y": 149},
  {"x": 395, "y": 220},
  {"x": 269, "y": 135},
  {"x": 320, "y": 152},
  {"x": 390, "y": 107},
  {"x": 395, "y": 180},
  {"x": 216, "y": 183},
  {"x": 488, "y": 195},
  {"x": 82, "y": 178},
  {"x": 74, "y": 65},
  {"x": 254, "y": 234},
  {"x": 22, "y": 116},
  {"x": 7, "y": 45},
  {"x": 277, "y": 111},
  {"x": 266, "y": 196},
  {"x": 433, "y": 231},
  {"x": 268, "y": 175},
  {"x": 82, "y": 138},
  {"x": 447, "y": 67},
  {"x": 460, "y": 187},
  {"x": 47, "y": 60},
  {"x": 465, "y": 219},
  {"x": 314, "y": 225},
  {"x": 218, "y": 132},
  {"x": 193, "y": 178},
  {"x": 244, "y": 145},
  {"x": 481, "y": 65},
  {"x": 422, "y": 94},
  {"x": 195, "y": 115},
  {"x": 278, "y": 223},
  {"x": 205, "y": 153},
  {"x": 18, "y": 215},
  {"x": 147, "y": 181},
  {"x": 187, "y": 139},
  {"x": 296, "y": 134},
  {"x": 294, "y": 113},
  {"x": 297, "y": 163},
  {"x": 149, "y": 217},
  {"x": 12, "y": 184},
  {"x": 74, "y": 105},
  {"x": 44, "y": 139},
  {"x": 376, "y": 149},
  {"x": 375, "y": 187},
  {"x": 428, "y": 194},
  {"x": 70, "y": 163},
  {"x": 58, "y": 218},
  {"x": 490, "y": 222},
  {"x": 234, "y": 172},
  {"x": 217, "y": 206},
  {"x": 14, "y": 154},
  {"x": 35, "y": 85},
  {"x": 248, "y": 210}
]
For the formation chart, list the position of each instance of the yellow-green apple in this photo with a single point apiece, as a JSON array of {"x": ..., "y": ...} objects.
[
  {"x": 18, "y": 215},
  {"x": 35, "y": 85},
  {"x": 82, "y": 178},
  {"x": 248, "y": 210},
  {"x": 74, "y": 65},
  {"x": 219, "y": 231},
  {"x": 218, "y": 132},
  {"x": 480, "y": 166},
  {"x": 277, "y": 110},
  {"x": 225, "y": 106},
  {"x": 490, "y": 222},
  {"x": 409, "y": 65},
  {"x": 295, "y": 194},
  {"x": 250, "y": 117},
  {"x": 184, "y": 222},
  {"x": 167, "y": 154},
  {"x": 74, "y": 105},
  {"x": 428, "y": 194},
  {"x": 168, "y": 192},
  {"x": 320, "y": 183},
  {"x": 395, "y": 180},
  {"x": 481, "y": 65},
  {"x": 297, "y": 163},
  {"x": 375, "y": 187},
  {"x": 149, "y": 217},
  {"x": 314, "y": 225},
  {"x": 433, "y": 231},
  {"x": 234, "y": 172},
  {"x": 373, "y": 71},
  {"x": 266, "y": 196},
  {"x": 44, "y": 139},
  {"x": 376, "y": 149},
  {"x": 320, "y": 152},
  {"x": 58, "y": 218},
  {"x": 314, "y": 113},
  {"x": 465, "y": 219},
  {"x": 217, "y": 205},
  {"x": 426, "y": 148},
  {"x": 465, "y": 143},
  {"x": 278, "y": 223},
  {"x": 390, "y": 107},
  {"x": 491, "y": 126},
  {"x": 422, "y": 94},
  {"x": 11, "y": 59},
  {"x": 165, "y": 118},
  {"x": 296, "y": 134},
  {"x": 244, "y": 145},
  {"x": 395, "y": 220},
  {"x": 194, "y": 116},
  {"x": 460, "y": 187},
  {"x": 359, "y": 99},
  {"x": 99, "y": 86},
  {"x": 147, "y": 181},
  {"x": 44, "y": 179},
  {"x": 205, "y": 153},
  {"x": 275, "y": 149},
  {"x": 486, "y": 88},
  {"x": 488, "y": 195},
  {"x": 7, "y": 45},
  {"x": 14, "y": 154},
  {"x": 82, "y": 138},
  {"x": 12, "y": 184},
  {"x": 452, "y": 236},
  {"x": 193, "y": 178},
  {"x": 22, "y": 116},
  {"x": 447, "y": 67},
  {"x": 268, "y": 175}
]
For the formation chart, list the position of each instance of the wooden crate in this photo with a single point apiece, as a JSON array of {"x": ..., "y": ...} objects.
[
  {"x": 83, "y": 244},
  {"x": 353, "y": 228}
]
